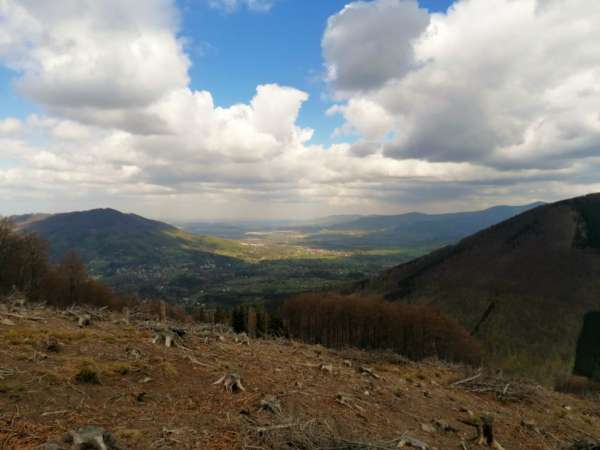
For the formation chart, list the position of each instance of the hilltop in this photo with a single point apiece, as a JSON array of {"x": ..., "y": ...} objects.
[
  {"x": 56, "y": 377},
  {"x": 523, "y": 285}
]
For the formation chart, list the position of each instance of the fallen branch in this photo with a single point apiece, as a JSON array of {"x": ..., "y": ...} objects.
[{"x": 467, "y": 380}]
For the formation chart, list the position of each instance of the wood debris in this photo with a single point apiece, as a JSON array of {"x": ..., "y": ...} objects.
[
  {"x": 368, "y": 371},
  {"x": 411, "y": 442},
  {"x": 272, "y": 404}
]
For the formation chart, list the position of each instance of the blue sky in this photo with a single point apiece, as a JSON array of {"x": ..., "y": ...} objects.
[{"x": 234, "y": 52}]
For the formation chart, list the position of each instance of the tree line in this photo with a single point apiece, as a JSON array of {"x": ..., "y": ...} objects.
[
  {"x": 25, "y": 267},
  {"x": 417, "y": 332}
]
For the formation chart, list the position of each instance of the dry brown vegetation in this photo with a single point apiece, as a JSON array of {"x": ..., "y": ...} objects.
[
  {"x": 26, "y": 272},
  {"x": 413, "y": 331},
  {"x": 296, "y": 396}
]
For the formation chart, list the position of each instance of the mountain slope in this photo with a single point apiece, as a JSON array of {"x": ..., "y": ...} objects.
[
  {"x": 152, "y": 397},
  {"x": 105, "y": 237},
  {"x": 411, "y": 229},
  {"x": 534, "y": 276}
]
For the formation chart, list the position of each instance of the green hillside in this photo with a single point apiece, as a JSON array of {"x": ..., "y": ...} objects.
[{"x": 154, "y": 259}]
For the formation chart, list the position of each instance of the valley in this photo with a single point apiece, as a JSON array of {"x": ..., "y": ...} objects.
[{"x": 246, "y": 261}]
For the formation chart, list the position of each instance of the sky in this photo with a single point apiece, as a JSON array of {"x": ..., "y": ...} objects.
[{"x": 292, "y": 109}]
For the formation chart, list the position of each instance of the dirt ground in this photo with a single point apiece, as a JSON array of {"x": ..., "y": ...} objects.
[{"x": 56, "y": 377}]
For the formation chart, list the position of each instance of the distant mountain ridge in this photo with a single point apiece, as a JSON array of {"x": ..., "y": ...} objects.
[
  {"x": 411, "y": 229},
  {"x": 524, "y": 285}
]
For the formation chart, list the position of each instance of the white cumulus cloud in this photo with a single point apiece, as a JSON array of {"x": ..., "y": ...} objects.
[{"x": 496, "y": 101}]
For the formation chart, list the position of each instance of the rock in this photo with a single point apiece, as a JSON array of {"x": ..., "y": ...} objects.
[
  {"x": 428, "y": 428},
  {"x": 7, "y": 322},
  {"x": 92, "y": 438}
]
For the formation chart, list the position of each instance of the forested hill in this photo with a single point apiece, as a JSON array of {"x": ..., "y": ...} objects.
[{"x": 523, "y": 285}]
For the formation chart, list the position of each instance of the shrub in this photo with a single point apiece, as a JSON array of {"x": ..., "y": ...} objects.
[{"x": 87, "y": 376}]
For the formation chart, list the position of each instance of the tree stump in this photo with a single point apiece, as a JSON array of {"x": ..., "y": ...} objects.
[
  {"x": 232, "y": 382},
  {"x": 166, "y": 337},
  {"x": 91, "y": 438},
  {"x": 485, "y": 431},
  {"x": 84, "y": 320}
]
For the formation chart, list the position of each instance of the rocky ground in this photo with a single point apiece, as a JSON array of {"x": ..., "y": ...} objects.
[{"x": 57, "y": 377}]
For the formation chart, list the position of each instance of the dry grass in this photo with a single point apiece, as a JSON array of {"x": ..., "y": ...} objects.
[{"x": 151, "y": 397}]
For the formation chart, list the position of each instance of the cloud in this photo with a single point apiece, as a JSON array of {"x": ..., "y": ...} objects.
[
  {"x": 10, "y": 125},
  {"x": 89, "y": 60},
  {"x": 442, "y": 111},
  {"x": 515, "y": 88},
  {"x": 368, "y": 43},
  {"x": 230, "y": 6}
]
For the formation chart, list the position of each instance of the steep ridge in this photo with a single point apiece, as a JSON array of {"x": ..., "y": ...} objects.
[{"x": 523, "y": 285}]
